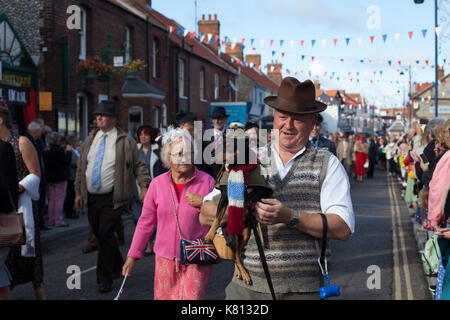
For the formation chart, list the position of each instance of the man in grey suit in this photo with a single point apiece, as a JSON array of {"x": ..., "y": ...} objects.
[{"x": 319, "y": 141}]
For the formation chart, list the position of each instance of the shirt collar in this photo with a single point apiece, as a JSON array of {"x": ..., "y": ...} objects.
[{"x": 277, "y": 156}]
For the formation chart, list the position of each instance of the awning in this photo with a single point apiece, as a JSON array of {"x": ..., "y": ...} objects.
[{"x": 135, "y": 87}]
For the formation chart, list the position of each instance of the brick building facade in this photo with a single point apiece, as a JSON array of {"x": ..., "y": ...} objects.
[{"x": 189, "y": 74}]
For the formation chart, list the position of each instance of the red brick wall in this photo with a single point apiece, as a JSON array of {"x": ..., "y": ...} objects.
[{"x": 102, "y": 18}]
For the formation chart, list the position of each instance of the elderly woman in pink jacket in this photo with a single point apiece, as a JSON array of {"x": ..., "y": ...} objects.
[{"x": 180, "y": 191}]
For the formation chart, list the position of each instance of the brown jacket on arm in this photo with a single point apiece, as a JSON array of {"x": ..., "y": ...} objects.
[{"x": 129, "y": 167}]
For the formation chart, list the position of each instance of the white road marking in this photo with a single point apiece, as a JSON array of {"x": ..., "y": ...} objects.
[{"x": 401, "y": 237}]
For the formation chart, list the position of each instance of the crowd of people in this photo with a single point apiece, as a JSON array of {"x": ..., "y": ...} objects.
[{"x": 158, "y": 178}]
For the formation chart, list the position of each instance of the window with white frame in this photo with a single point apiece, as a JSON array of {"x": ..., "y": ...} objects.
[
  {"x": 127, "y": 44},
  {"x": 156, "y": 55},
  {"x": 216, "y": 86},
  {"x": 164, "y": 115},
  {"x": 155, "y": 117},
  {"x": 202, "y": 85},
  {"x": 181, "y": 78},
  {"x": 83, "y": 35}
]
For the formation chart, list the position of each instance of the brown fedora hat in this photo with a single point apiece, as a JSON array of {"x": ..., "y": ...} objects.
[{"x": 296, "y": 97}]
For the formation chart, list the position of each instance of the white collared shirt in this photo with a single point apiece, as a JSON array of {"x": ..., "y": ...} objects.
[{"x": 108, "y": 164}]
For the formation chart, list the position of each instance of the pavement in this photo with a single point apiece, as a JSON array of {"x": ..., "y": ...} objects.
[
  {"x": 75, "y": 226},
  {"x": 421, "y": 238}
]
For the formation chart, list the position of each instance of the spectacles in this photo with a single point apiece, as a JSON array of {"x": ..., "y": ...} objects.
[{"x": 179, "y": 156}]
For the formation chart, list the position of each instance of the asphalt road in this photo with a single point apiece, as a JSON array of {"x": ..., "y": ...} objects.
[{"x": 379, "y": 262}]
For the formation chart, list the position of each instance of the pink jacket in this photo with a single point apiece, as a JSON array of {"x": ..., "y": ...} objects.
[
  {"x": 158, "y": 209},
  {"x": 438, "y": 186}
]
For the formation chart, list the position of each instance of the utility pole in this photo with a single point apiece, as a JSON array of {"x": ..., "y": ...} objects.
[{"x": 410, "y": 102}]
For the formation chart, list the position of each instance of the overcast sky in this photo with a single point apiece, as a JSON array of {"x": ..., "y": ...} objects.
[{"x": 361, "y": 66}]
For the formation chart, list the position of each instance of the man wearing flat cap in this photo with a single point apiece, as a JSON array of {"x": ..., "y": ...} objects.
[
  {"x": 306, "y": 181},
  {"x": 317, "y": 140},
  {"x": 108, "y": 167}
]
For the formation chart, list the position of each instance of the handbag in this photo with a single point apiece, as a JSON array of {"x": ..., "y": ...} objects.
[
  {"x": 12, "y": 227},
  {"x": 195, "y": 251}
]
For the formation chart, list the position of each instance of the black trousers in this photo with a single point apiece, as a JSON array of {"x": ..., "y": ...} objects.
[
  {"x": 70, "y": 198},
  {"x": 103, "y": 218}
]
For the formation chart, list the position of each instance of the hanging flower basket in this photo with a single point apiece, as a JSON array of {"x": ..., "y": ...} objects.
[
  {"x": 93, "y": 67},
  {"x": 133, "y": 66}
]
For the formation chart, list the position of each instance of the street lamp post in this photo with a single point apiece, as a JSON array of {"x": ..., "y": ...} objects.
[{"x": 435, "y": 55}]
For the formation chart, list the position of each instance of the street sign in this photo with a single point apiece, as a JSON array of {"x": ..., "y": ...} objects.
[{"x": 118, "y": 61}]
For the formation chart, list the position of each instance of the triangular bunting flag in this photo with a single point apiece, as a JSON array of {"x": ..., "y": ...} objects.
[
  {"x": 371, "y": 39},
  {"x": 410, "y": 33},
  {"x": 302, "y": 42},
  {"x": 281, "y": 43},
  {"x": 347, "y": 40},
  {"x": 384, "y": 37},
  {"x": 313, "y": 42},
  {"x": 424, "y": 32},
  {"x": 397, "y": 36},
  {"x": 271, "y": 42},
  {"x": 438, "y": 31},
  {"x": 335, "y": 41}
]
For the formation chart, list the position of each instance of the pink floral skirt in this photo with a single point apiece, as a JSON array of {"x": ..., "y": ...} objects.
[{"x": 185, "y": 282}]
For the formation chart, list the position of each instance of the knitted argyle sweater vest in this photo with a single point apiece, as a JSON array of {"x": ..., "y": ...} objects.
[{"x": 291, "y": 255}]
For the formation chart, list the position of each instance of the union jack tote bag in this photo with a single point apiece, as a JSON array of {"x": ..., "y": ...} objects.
[
  {"x": 197, "y": 251},
  {"x": 194, "y": 251}
]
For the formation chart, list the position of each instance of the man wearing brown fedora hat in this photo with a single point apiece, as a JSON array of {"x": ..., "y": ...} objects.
[
  {"x": 108, "y": 167},
  {"x": 306, "y": 181}
]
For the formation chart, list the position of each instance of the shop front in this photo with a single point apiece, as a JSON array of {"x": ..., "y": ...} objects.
[{"x": 18, "y": 77}]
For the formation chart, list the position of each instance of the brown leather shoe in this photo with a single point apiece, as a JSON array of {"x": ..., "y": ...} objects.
[{"x": 89, "y": 249}]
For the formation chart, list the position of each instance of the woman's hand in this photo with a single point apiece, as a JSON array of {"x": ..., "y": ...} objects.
[
  {"x": 128, "y": 266},
  {"x": 194, "y": 199}
]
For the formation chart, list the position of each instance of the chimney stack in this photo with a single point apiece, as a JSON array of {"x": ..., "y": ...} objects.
[
  {"x": 234, "y": 50},
  {"x": 255, "y": 59},
  {"x": 274, "y": 71},
  {"x": 210, "y": 27}
]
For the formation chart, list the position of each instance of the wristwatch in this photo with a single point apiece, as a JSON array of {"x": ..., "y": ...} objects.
[{"x": 294, "y": 221}]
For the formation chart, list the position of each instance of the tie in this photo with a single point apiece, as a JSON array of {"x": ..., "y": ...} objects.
[
  {"x": 98, "y": 163},
  {"x": 217, "y": 140}
]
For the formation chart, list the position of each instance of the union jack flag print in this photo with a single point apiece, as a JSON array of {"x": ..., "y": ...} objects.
[{"x": 199, "y": 252}]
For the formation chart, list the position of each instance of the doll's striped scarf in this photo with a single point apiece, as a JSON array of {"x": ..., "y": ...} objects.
[{"x": 237, "y": 179}]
